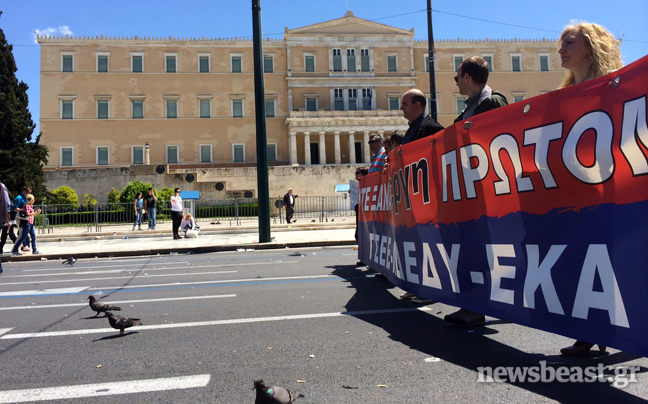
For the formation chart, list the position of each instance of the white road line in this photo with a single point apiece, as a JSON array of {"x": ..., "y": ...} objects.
[
  {"x": 53, "y": 306},
  {"x": 5, "y": 330},
  {"x": 215, "y": 322},
  {"x": 64, "y": 268},
  {"x": 62, "y": 291},
  {"x": 118, "y": 277},
  {"x": 104, "y": 389},
  {"x": 216, "y": 282}
]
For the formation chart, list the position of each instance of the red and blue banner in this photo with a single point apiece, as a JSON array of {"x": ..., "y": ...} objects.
[{"x": 534, "y": 213}]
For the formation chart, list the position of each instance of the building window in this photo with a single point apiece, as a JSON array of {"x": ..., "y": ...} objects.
[
  {"x": 458, "y": 59},
  {"x": 137, "y": 109},
  {"x": 394, "y": 103},
  {"x": 67, "y": 156},
  {"x": 270, "y": 111},
  {"x": 67, "y": 109},
  {"x": 138, "y": 154},
  {"x": 428, "y": 107},
  {"x": 137, "y": 63},
  {"x": 236, "y": 62},
  {"x": 171, "y": 63},
  {"x": 205, "y": 153},
  {"x": 338, "y": 99},
  {"x": 238, "y": 152},
  {"x": 517, "y": 97},
  {"x": 171, "y": 108},
  {"x": 366, "y": 99},
  {"x": 309, "y": 63},
  {"x": 311, "y": 104},
  {"x": 426, "y": 62},
  {"x": 392, "y": 65},
  {"x": 203, "y": 63},
  {"x": 103, "y": 109},
  {"x": 102, "y": 156},
  {"x": 364, "y": 60},
  {"x": 237, "y": 108},
  {"x": 205, "y": 108},
  {"x": 172, "y": 154},
  {"x": 516, "y": 62},
  {"x": 544, "y": 62},
  {"x": 351, "y": 61},
  {"x": 337, "y": 60},
  {"x": 353, "y": 99},
  {"x": 461, "y": 104},
  {"x": 102, "y": 63},
  {"x": 272, "y": 151},
  {"x": 67, "y": 63},
  {"x": 489, "y": 59},
  {"x": 268, "y": 64}
]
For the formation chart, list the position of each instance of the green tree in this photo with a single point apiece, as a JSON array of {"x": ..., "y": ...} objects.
[
  {"x": 113, "y": 199},
  {"x": 133, "y": 187},
  {"x": 21, "y": 161},
  {"x": 165, "y": 194},
  {"x": 89, "y": 201},
  {"x": 65, "y": 196}
]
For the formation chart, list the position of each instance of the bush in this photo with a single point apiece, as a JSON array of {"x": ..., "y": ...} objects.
[
  {"x": 113, "y": 198},
  {"x": 89, "y": 201},
  {"x": 133, "y": 187},
  {"x": 165, "y": 194},
  {"x": 65, "y": 196}
]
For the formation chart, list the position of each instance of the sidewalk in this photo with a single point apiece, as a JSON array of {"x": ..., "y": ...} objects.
[{"x": 122, "y": 241}]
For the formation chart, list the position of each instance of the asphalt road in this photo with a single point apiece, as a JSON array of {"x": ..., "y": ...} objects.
[{"x": 306, "y": 319}]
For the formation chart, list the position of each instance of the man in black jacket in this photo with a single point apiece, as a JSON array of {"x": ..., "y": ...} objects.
[
  {"x": 413, "y": 105},
  {"x": 289, "y": 204}
]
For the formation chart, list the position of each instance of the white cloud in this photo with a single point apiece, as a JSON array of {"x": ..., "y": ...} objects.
[{"x": 49, "y": 31}]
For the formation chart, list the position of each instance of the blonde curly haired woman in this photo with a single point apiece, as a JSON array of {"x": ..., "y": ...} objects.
[{"x": 587, "y": 51}]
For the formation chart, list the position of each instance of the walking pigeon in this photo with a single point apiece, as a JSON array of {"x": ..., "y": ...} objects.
[
  {"x": 101, "y": 307},
  {"x": 121, "y": 323},
  {"x": 274, "y": 394},
  {"x": 70, "y": 261}
]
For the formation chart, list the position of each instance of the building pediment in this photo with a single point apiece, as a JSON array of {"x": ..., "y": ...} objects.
[{"x": 348, "y": 25}]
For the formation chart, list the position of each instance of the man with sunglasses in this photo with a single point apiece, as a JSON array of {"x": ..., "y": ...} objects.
[
  {"x": 471, "y": 79},
  {"x": 413, "y": 105},
  {"x": 378, "y": 154}
]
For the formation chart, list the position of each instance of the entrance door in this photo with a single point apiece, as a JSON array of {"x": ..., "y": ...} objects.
[
  {"x": 358, "y": 152},
  {"x": 314, "y": 149}
]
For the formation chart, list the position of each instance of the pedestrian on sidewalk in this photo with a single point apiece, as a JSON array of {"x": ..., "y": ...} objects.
[
  {"x": 138, "y": 204},
  {"x": 149, "y": 204},
  {"x": 289, "y": 204},
  {"x": 177, "y": 212},
  {"x": 5, "y": 218},
  {"x": 18, "y": 204},
  {"x": 28, "y": 228}
]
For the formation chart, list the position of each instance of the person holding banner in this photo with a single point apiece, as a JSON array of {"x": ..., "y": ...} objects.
[
  {"x": 587, "y": 51},
  {"x": 413, "y": 105},
  {"x": 472, "y": 75}
]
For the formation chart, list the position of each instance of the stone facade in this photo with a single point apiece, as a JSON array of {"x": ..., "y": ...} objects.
[{"x": 188, "y": 104}]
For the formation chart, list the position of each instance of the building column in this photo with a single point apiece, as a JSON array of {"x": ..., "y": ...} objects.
[
  {"x": 338, "y": 154},
  {"x": 352, "y": 159},
  {"x": 322, "y": 148},
  {"x": 365, "y": 148},
  {"x": 293, "y": 147},
  {"x": 307, "y": 151}
]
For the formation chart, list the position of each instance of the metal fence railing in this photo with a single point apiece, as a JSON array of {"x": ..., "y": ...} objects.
[{"x": 234, "y": 211}]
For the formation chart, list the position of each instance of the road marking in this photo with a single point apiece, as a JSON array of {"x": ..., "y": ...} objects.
[
  {"x": 104, "y": 389},
  {"x": 218, "y": 282},
  {"x": 117, "y": 277},
  {"x": 216, "y": 322},
  {"x": 5, "y": 330},
  {"x": 52, "y": 306},
  {"x": 62, "y": 291},
  {"x": 105, "y": 266}
]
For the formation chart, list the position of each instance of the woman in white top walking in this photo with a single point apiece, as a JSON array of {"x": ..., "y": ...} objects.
[{"x": 177, "y": 212}]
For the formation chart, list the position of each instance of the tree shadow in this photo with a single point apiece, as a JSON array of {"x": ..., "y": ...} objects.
[{"x": 467, "y": 347}]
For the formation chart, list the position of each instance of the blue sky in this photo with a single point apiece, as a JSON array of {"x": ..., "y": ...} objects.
[{"x": 466, "y": 19}]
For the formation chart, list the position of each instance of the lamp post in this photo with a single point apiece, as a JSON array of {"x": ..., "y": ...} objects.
[
  {"x": 433, "y": 99},
  {"x": 147, "y": 156}
]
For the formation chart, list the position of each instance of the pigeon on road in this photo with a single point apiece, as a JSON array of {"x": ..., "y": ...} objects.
[
  {"x": 121, "y": 323},
  {"x": 70, "y": 261},
  {"x": 274, "y": 394},
  {"x": 101, "y": 307}
]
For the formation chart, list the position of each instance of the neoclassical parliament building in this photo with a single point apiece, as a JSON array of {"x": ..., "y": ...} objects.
[{"x": 188, "y": 103}]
